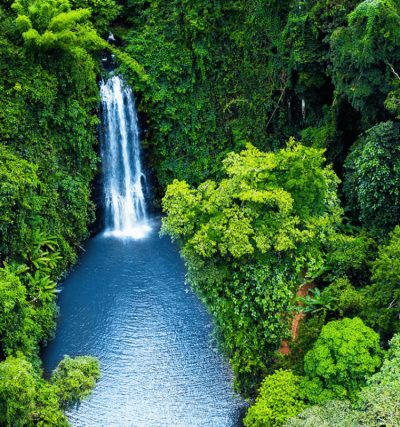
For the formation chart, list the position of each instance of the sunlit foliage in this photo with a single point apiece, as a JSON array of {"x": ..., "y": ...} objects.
[{"x": 248, "y": 239}]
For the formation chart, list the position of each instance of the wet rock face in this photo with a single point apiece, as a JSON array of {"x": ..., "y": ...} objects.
[{"x": 98, "y": 200}]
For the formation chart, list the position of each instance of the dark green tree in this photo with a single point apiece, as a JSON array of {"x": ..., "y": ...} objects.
[
  {"x": 382, "y": 298},
  {"x": 372, "y": 183}
]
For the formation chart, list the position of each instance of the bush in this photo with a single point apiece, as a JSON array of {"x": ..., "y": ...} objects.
[
  {"x": 17, "y": 391},
  {"x": 27, "y": 399},
  {"x": 345, "y": 354},
  {"x": 75, "y": 379},
  {"x": 379, "y": 402},
  {"x": 277, "y": 401}
]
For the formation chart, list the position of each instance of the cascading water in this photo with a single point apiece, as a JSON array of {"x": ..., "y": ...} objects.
[
  {"x": 127, "y": 304},
  {"x": 125, "y": 206}
]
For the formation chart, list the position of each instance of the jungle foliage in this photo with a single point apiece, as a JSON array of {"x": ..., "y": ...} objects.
[
  {"x": 278, "y": 400},
  {"x": 222, "y": 85},
  {"x": 378, "y": 403},
  {"x": 49, "y": 61},
  {"x": 223, "y": 74},
  {"x": 247, "y": 240}
]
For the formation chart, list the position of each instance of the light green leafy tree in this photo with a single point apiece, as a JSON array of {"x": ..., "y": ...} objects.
[
  {"x": 346, "y": 353},
  {"x": 248, "y": 239},
  {"x": 378, "y": 403},
  {"x": 27, "y": 399},
  {"x": 277, "y": 401},
  {"x": 17, "y": 392},
  {"x": 102, "y": 12},
  {"x": 52, "y": 24}
]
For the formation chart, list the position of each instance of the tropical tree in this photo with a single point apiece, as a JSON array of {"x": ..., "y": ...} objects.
[
  {"x": 278, "y": 400},
  {"x": 248, "y": 239},
  {"x": 75, "y": 379},
  {"x": 319, "y": 301},
  {"x": 345, "y": 354}
]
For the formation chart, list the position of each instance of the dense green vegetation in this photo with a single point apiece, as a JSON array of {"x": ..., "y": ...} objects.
[
  {"x": 226, "y": 87},
  {"x": 256, "y": 221},
  {"x": 48, "y": 116},
  {"x": 247, "y": 240}
]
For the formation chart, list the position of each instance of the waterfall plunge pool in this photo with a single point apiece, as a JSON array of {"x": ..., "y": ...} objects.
[{"x": 126, "y": 302}]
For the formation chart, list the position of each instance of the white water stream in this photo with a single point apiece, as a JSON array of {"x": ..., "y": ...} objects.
[
  {"x": 127, "y": 304},
  {"x": 125, "y": 206}
]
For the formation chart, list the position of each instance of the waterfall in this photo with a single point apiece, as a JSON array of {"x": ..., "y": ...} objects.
[{"x": 125, "y": 207}]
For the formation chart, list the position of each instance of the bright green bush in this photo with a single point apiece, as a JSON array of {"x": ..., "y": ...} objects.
[
  {"x": 278, "y": 400},
  {"x": 346, "y": 353},
  {"x": 378, "y": 403},
  {"x": 75, "y": 379},
  {"x": 27, "y": 400},
  {"x": 17, "y": 392},
  {"x": 102, "y": 12}
]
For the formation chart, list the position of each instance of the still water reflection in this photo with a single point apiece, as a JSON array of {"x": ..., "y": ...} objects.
[{"x": 126, "y": 303}]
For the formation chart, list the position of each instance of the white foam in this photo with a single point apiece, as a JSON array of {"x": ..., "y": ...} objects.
[{"x": 136, "y": 233}]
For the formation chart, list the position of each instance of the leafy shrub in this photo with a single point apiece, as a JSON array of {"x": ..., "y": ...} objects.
[
  {"x": 348, "y": 299},
  {"x": 75, "y": 379},
  {"x": 27, "y": 399},
  {"x": 277, "y": 401},
  {"x": 378, "y": 403},
  {"x": 345, "y": 354},
  {"x": 17, "y": 392}
]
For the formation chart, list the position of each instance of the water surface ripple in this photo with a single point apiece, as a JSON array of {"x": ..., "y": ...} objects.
[{"x": 127, "y": 303}]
